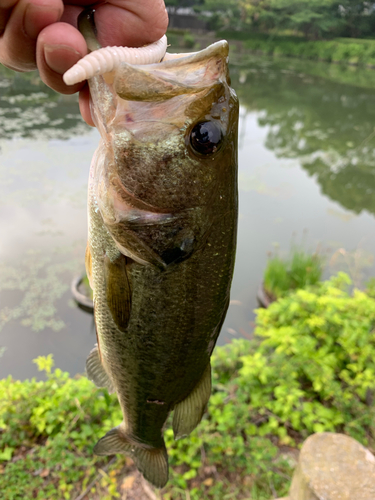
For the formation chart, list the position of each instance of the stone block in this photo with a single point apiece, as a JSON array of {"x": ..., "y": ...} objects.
[{"x": 333, "y": 467}]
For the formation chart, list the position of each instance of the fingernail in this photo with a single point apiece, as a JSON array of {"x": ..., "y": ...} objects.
[
  {"x": 60, "y": 57},
  {"x": 37, "y": 17}
]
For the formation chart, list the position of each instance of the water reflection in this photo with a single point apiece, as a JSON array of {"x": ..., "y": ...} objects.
[
  {"x": 30, "y": 109},
  {"x": 45, "y": 150},
  {"x": 329, "y": 127},
  {"x": 38, "y": 277}
]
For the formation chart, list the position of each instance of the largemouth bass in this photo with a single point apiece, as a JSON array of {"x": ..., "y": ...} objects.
[{"x": 162, "y": 207}]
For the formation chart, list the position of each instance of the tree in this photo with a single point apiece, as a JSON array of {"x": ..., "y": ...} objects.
[
  {"x": 314, "y": 18},
  {"x": 173, "y": 5},
  {"x": 223, "y": 14},
  {"x": 359, "y": 18}
]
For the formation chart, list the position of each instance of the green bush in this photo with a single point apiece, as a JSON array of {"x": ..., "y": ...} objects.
[
  {"x": 51, "y": 427},
  {"x": 315, "y": 369},
  {"x": 300, "y": 270}
]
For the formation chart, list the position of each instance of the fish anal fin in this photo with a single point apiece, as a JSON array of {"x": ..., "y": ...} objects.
[
  {"x": 96, "y": 372},
  {"x": 188, "y": 413},
  {"x": 118, "y": 289},
  {"x": 151, "y": 462}
]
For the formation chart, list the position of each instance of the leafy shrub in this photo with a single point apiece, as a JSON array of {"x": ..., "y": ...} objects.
[
  {"x": 50, "y": 429},
  {"x": 315, "y": 369},
  {"x": 353, "y": 53},
  {"x": 300, "y": 270}
]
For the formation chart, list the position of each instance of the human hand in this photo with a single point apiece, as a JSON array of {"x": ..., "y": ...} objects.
[{"x": 43, "y": 34}]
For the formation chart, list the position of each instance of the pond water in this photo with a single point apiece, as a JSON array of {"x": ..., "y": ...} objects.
[{"x": 306, "y": 175}]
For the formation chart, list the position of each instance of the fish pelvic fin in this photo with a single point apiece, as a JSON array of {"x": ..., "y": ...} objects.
[
  {"x": 189, "y": 412},
  {"x": 151, "y": 462},
  {"x": 96, "y": 372}
]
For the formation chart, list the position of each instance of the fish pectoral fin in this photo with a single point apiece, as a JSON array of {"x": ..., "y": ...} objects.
[
  {"x": 96, "y": 372},
  {"x": 118, "y": 289},
  {"x": 151, "y": 462},
  {"x": 189, "y": 412}
]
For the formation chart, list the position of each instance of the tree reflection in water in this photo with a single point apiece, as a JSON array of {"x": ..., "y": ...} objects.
[{"x": 322, "y": 114}]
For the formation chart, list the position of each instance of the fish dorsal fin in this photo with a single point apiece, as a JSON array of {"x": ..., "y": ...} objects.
[
  {"x": 176, "y": 76},
  {"x": 151, "y": 462},
  {"x": 189, "y": 412},
  {"x": 96, "y": 372},
  {"x": 118, "y": 289}
]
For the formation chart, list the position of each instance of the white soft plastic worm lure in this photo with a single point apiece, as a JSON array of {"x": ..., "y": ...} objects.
[{"x": 107, "y": 59}]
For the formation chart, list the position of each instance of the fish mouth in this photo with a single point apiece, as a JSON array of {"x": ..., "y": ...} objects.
[{"x": 174, "y": 76}]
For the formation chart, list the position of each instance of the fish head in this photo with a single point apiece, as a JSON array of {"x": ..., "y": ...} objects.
[
  {"x": 169, "y": 146},
  {"x": 171, "y": 129}
]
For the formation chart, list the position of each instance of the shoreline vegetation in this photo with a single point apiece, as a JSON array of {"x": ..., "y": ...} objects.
[
  {"x": 338, "y": 31},
  {"x": 299, "y": 270},
  {"x": 309, "y": 368},
  {"x": 345, "y": 51},
  {"x": 350, "y": 51}
]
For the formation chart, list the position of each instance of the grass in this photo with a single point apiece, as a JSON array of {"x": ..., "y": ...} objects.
[{"x": 301, "y": 269}]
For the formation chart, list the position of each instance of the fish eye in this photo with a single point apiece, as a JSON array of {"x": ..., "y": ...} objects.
[{"x": 206, "y": 137}]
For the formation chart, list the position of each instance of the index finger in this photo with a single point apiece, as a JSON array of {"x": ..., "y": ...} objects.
[{"x": 118, "y": 22}]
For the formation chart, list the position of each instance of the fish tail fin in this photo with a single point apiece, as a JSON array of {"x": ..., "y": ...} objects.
[{"x": 151, "y": 462}]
